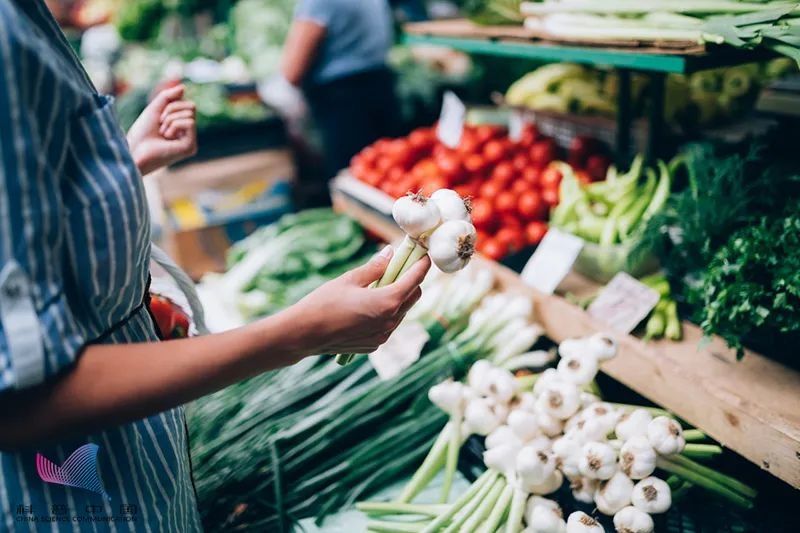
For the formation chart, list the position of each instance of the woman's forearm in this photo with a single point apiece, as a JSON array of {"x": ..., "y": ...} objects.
[{"x": 115, "y": 384}]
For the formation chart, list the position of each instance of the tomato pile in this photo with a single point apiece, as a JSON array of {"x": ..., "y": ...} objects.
[{"x": 512, "y": 184}]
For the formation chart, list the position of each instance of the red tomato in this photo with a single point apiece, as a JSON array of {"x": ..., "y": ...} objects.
[
  {"x": 481, "y": 237},
  {"x": 512, "y": 238},
  {"x": 374, "y": 178},
  {"x": 450, "y": 167},
  {"x": 503, "y": 172},
  {"x": 520, "y": 186},
  {"x": 486, "y": 132},
  {"x": 551, "y": 177},
  {"x": 468, "y": 145},
  {"x": 494, "y": 151},
  {"x": 597, "y": 166},
  {"x": 510, "y": 221},
  {"x": 529, "y": 135},
  {"x": 467, "y": 190},
  {"x": 550, "y": 196},
  {"x": 483, "y": 215},
  {"x": 535, "y": 232},
  {"x": 543, "y": 152},
  {"x": 431, "y": 185},
  {"x": 532, "y": 176},
  {"x": 583, "y": 177},
  {"x": 490, "y": 190},
  {"x": 520, "y": 162},
  {"x": 582, "y": 147},
  {"x": 395, "y": 174},
  {"x": 474, "y": 163},
  {"x": 359, "y": 168},
  {"x": 422, "y": 138},
  {"x": 424, "y": 169},
  {"x": 531, "y": 206},
  {"x": 506, "y": 203},
  {"x": 494, "y": 250}
]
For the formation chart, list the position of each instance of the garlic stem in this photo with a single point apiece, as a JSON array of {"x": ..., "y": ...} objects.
[
  {"x": 431, "y": 465},
  {"x": 475, "y": 489},
  {"x": 518, "y": 502},
  {"x": 379, "y": 526},
  {"x": 731, "y": 483},
  {"x": 469, "y": 509},
  {"x": 417, "y": 253},
  {"x": 485, "y": 508},
  {"x": 526, "y": 383},
  {"x": 453, "y": 447},
  {"x": 399, "y": 258},
  {"x": 711, "y": 484},
  {"x": 655, "y": 411},
  {"x": 693, "y": 435},
  {"x": 499, "y": 511},
  {"x": 393, "y": 508},
  {"x": 701, "y": 451}
]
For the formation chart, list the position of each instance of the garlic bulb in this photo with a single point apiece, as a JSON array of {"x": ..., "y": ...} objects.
[
  {"x": 549, "y": 425},
  {"x": 534, "y": 466},
  {"x": 587, "y": 399},
  {"x": 652, "y": 495},
  {"x": 478, "y": 376},
  {"x": 633, "y": 424},
  {"x": 583, "y": 488},
  {"x": 601, "y": 346},
  {"x": 568, "y": 455},
  {"x": 545, "y": 380},
  {"x": 527, "y": 402},
  {"x": 502, "y": 435},
  {"x": 637, "y": 458},
  {"x": 523, "y": 424},
  {"x": 451, "y": 205},
  {"x": 548, "y": 486},
  {"x": 589, "y": 428},
  {"x": 448, "y": 396},
  {"x": 544, "y": 518},
  {"x": 480, "y": 416},
  {"x": 559, "y": 400},
  {"x": 614, "y": 494},
  {"x": 572, "y": 348},
  {"x": 665, "y": 435},
  {"x": 416, "y": 215},
  {"x": 452, "y": 245},
  {"x": 502, "y": 385},
  {"x": 580, "y": 522},
  {"x": 578, "y": 370},
  {"x": 597, "y": 460},
  {"x": 632, "y": 520},
  {"x": 501, "y": 458},
  {"x": 606, "y": 413}
]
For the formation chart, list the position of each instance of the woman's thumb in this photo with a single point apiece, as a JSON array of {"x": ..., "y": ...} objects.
[{"x": 372, "y": 271}]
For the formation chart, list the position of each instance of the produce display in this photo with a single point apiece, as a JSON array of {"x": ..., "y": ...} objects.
[
  {"x": 279, "y": 264},
  {"x": 511, "y": 184},
  {"x": 438, "y": 226},
  {"x": 726, "y": 244},
  {"x": 771, "y": 25},
  {"x": 308, "y": 440},
  {"x": 704, "y": 98},
  {"x": 545, "y": 429}
]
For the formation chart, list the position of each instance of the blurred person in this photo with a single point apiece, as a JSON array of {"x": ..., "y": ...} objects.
[
  {"x": 336, "y": 52},
  {"x": 83, "y": 373}
]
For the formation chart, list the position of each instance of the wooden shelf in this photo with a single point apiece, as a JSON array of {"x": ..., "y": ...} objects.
[
  {"x": 519, "y": 42},
  {"x": 750, "y": 406}
]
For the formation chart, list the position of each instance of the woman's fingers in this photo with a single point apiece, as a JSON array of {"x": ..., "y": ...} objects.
[
  {"x": 175, "y": 106},
  {"x": 174, "y": 117},
  {"x": 166, "y": 96},
  {"x": 178, "y": 127}
]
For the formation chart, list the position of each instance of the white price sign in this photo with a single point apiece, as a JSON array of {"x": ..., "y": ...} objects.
[
  {"x": 552, "y": 260},
  {"x": 623, "y": 303},
  {"x": 516, "y": 125},
  {"x": 402, "y": 350},
  {"x": 451, "y": 121}
]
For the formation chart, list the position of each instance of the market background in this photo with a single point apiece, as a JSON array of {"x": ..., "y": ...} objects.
[{"x": 719, "y": 350}]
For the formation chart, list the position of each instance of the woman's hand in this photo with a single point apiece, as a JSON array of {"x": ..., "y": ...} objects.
[
  {"x": 165, "y": 132},
  {"x": 346, "y": 316}
]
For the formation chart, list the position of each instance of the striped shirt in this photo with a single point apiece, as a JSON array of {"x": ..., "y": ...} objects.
[{"x": 74, "y": 257}]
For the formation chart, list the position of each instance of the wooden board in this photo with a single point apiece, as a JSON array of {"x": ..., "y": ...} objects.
[
  {"x": 463, "y": 28},
  {"x": 751, "y": 406}
]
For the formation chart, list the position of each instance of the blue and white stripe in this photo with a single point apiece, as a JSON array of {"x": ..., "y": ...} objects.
[{"x": 74, "y": 257}]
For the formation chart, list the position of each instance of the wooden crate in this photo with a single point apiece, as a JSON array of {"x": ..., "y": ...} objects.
[{"x": 750, "y": 406}]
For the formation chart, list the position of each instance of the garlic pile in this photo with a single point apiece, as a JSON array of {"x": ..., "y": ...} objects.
[{"x": 538, "y": 439}]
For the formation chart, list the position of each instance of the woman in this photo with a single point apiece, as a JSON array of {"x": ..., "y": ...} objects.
[
  {"x": 336, "y": 51},
  {"x": 80, "y": 361}
]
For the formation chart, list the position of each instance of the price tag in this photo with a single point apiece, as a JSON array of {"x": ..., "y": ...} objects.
[
  {"x": 552, "y": 260},
  {"x": 402, "y": 350},
  {"x": 623, "y": 303},
  {"x": 451, "y": 121},
  {"x": 516, "y": 125}
]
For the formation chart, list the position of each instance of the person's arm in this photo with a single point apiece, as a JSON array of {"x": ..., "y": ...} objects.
[
  {"x": 300, "y": 49},
  {"x": 114, "y": 384}
]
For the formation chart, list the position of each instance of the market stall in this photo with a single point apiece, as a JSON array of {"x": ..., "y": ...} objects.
[{"x": 620, "y": 354}]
